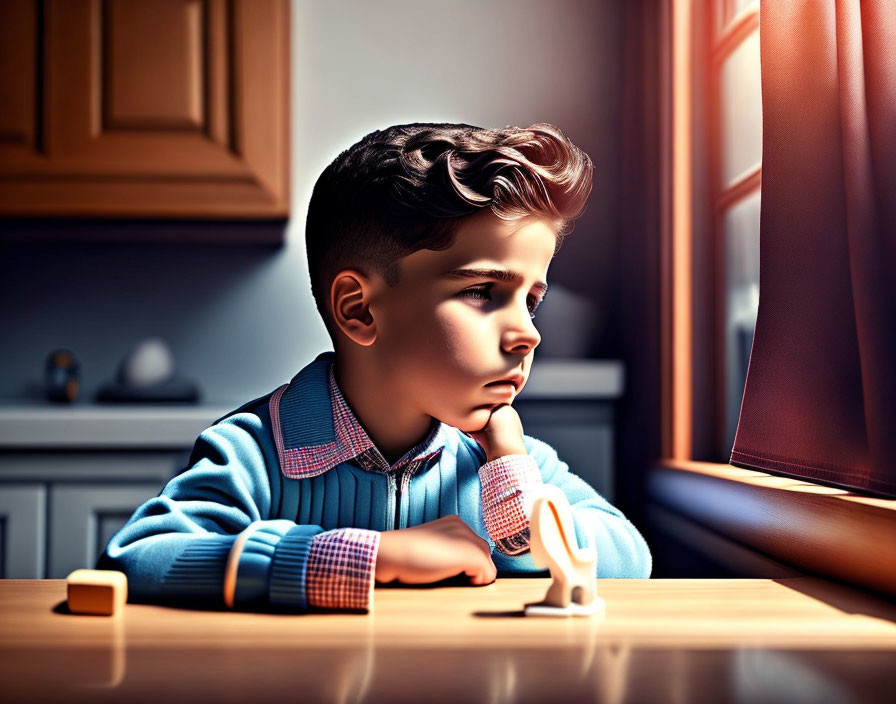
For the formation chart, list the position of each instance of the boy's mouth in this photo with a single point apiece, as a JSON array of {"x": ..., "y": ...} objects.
[{"x": 515, "y": 380}]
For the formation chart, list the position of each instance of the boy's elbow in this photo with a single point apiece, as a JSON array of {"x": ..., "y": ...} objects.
[
  {"x": 632, "y": 565},
  {"x": 629, "y": 557},
  {"x": 643, "y": 562},
  {"x": 116, "y": 556},
  {"x": 645, "y": 565}
]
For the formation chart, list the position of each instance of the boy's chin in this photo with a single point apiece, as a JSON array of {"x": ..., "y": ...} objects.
[{"x": 474, "y": 421}]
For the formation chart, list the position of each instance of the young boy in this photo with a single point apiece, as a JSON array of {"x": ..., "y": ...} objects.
[{"x": 399, "y": 457}]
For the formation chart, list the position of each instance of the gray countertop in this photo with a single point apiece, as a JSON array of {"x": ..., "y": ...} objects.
[{"x": 39, "y": 425}]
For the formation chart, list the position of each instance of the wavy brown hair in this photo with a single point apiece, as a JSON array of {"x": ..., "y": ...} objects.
[{"x": 407, "y": 187}]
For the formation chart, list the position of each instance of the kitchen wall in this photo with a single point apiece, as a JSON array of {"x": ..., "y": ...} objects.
[{"x": 240, "y": 319}]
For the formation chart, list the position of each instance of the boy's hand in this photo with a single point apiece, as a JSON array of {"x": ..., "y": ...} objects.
[
  {"x": 502, "y": 435},
  {"x": 434, "y": 551}
]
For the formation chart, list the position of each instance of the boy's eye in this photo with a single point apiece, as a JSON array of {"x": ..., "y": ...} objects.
[
  {"x": 482, "y": 293},
  {"x": 532, "y": 304}
]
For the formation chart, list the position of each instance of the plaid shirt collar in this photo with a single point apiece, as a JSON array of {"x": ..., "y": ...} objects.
[{"x": 315, "y": 429}]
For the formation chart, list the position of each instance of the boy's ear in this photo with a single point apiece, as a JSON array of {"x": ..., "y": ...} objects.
[{"x": 350, "y": 300}]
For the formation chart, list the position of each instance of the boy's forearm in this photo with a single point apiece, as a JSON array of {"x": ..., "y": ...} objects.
[
  {"x": 270, "y": 563},
  {"x": 207, "y": 538}
]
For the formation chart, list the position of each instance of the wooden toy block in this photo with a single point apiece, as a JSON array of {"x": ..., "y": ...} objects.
[
  {"x": 553, "y": 545},
  {"x": 102, "y": 592}
]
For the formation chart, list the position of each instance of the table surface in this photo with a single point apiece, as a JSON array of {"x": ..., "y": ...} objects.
[{"x": 659, "y": 640}]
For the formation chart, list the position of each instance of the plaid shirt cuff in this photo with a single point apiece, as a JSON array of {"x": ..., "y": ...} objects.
[
  {"x": 341, "y": 568},
  {"x": 508, "y": 484}
]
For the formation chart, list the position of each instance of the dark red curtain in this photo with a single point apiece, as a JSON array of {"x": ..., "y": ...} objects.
[{"x": 820, "y": 398}]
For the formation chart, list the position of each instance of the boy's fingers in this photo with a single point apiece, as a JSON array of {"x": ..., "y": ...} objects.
[
  {"x": 485, "y": 576},
  {"x": 479, "y": 577},
  {"x": 490, "y": 571}
]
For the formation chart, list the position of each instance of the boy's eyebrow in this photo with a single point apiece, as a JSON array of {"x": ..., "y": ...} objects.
[{"x": 500, "y": 274}]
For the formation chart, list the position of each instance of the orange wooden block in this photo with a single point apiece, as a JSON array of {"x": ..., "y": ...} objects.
[{"x": 102, "y": 592}]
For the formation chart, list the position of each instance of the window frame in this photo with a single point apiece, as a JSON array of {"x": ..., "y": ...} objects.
[
  {"x": 723, "y": 197},
  {"x": 816, "y": 528},
  {"x": 694, "y": 202}
]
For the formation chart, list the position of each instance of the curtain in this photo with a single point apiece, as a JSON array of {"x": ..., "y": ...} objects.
[{"x": 820, "y": 397}]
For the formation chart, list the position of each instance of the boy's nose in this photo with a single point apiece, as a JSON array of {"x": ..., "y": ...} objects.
[{"x": 521, "y": 337}]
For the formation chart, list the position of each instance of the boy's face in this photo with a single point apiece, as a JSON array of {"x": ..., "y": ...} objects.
[{"x": 451, "y": 327}]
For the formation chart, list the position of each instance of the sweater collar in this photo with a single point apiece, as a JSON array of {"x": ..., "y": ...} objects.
[{"x": 315, "y": 429}]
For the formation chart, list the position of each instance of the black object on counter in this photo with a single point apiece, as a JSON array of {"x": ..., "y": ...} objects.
[
  {"x": 174, "y": 390},
  {"x": 62, "y": 376}
]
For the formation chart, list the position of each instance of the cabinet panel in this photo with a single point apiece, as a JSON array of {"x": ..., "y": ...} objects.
[
  {"x": 166, "y": 108},
  {"x": 22, "y": 521},
  {"x": 582, "y": 434},
  {"x": 95, "y": 141},
  {"x": 18, "y": 80},
  {"x": 84, "y": 517},
  {"x": 59, "y": 508},
  {"x": 153, "y": 67}
]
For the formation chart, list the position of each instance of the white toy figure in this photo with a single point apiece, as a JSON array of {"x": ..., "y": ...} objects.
[{"x": 554, "y": 546}]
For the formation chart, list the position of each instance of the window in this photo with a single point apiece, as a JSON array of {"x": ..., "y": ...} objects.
[
  {"x": 710, "y": 185},
  {"x": 711, "y": 262},
  {"x": 735, "y": 167}
]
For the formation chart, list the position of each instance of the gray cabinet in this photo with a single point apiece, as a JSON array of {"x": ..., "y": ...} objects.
[
  {"x": 84, "y": 519},
  {"x": 581, "y": 431},
  {"x": 59, "y": 508},
  {"x": 571, "y": 405},
  {"x": 71, "y": 476}
]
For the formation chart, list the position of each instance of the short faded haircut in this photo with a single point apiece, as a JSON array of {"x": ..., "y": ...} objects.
[{"x": 408, "y": 187}]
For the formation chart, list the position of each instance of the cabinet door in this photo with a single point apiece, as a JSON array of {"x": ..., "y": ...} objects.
[
  {"x": 175, "y": 108},
  {"x": 84, "y": 518},
  {"x": 582, "y": 434},
  {"x": 22, "y": 520}
]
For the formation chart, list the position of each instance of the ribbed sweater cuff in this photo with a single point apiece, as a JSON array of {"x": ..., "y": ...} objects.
[
  {"x": 197, "y": 573},
  {"x": 256, "y": 548},
  {"x": 287, "y": 578}
]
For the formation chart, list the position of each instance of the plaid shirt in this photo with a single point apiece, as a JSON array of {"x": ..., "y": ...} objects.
[{"x": 342, "y": 562}]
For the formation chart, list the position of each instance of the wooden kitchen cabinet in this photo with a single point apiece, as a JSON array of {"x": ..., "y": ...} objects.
[{"x": 144, "y": 109}]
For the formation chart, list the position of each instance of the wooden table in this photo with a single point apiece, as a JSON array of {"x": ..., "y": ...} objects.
[{"x": 750, "y": 640}]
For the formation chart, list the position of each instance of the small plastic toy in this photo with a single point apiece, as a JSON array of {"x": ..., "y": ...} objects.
[
  {"x": 100, "y": 592},
  {"x": 553, "y": 545}
]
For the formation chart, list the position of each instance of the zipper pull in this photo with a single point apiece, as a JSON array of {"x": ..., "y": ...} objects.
[{"x": 398, "y": 476}]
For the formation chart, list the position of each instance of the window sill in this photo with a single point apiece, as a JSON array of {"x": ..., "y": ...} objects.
[{"x": 797, "y": 524}]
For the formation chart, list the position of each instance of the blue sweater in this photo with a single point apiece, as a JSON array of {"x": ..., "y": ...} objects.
[{"x": 176, "y": 545}]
